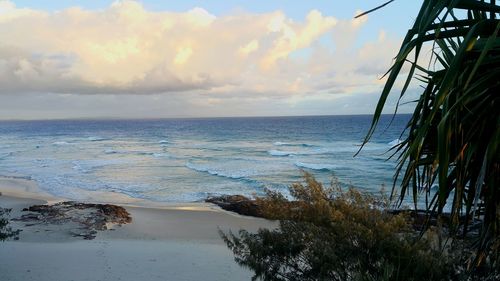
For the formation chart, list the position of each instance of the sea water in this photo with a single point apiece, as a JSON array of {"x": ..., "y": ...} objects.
[{"x": 185, "y": 160}]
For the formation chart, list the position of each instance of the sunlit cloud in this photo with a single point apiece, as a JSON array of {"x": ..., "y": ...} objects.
[
  {"x": 252, "y": 46},
  {"x": 127, "y": 49}
]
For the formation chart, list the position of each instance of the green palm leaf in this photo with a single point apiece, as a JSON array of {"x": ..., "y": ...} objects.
[{"x": 453, "y": 136}]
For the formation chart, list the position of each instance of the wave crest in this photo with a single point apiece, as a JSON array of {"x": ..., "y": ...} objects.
[
  {"x": 216, "y": 171},
  {"x": 96, "y": 139},
  {"x": 279, "y": 143},
  {"x": 317, "y": 167},
  {"x": 274, "y": 152},
  {"x": 61, "y": 143},
  {"x": 395, "y": 142}
]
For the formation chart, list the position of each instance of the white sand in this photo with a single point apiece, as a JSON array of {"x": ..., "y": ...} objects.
[{"x": 168, "y": 242}]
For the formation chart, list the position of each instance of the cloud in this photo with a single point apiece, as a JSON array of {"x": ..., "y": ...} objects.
[
  {"x": 127, "y": 49},
  {"x": 252, "y": 46},
  {"x": 293, "y": 37}
]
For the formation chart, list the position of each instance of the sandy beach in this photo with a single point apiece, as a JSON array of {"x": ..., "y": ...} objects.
[{"x": 163, "y": 242}]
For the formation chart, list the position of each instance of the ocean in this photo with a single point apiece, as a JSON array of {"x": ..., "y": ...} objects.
[{"x": 186, "y": 160}]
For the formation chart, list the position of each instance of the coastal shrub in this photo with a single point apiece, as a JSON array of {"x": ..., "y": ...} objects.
[
  {"x": 5, "y": 230},
  {"x": 331, "y": 234}
]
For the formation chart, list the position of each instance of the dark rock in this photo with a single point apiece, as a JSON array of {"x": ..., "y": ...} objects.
[
  {"x": 5, "y": 211},
  {"x": 238, "y": 204},
  {"x": 29, "y": 217},
  {"x": 45, "y": 210},
  {"x": 85, "y": 234},
  {"x": 118, "y": 213},
  {"x": 91, "y": 217}
]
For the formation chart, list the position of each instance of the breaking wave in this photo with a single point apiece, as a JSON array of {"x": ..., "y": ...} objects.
[{"x": 317, "y": 167}]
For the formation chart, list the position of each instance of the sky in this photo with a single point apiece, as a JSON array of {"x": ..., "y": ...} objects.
[{"x": 160, "y": 59}]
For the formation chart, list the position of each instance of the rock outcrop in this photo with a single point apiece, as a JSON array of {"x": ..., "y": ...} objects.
[
  {"x": 238, "y": 204},
  {"x": 89, "y": 218}
]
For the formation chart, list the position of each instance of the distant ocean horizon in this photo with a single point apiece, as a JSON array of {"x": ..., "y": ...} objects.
[{"x": 188, "y": 159}]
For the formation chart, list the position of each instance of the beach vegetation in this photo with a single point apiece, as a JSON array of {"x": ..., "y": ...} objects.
[
  {"x": 335, "y": 234},
  {"x": 449, "y": 157},
  {"x": 5, "y": 230}
]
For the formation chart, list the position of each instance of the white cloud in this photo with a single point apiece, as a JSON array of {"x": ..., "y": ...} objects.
[
  {"x": 252, "y": 46},
  {"x": 183, "y": 55},
  {"x": 126, "y": 49},
  {"x": 200, "y": 17},
  {"x": 294, "y": 36}
]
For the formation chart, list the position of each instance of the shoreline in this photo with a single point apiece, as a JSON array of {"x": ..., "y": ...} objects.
[
  {"x": 178, "y": 241},
  {"x": 19, "y": 187}
]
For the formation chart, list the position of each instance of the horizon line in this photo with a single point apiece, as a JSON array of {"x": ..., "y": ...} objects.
[{"x": 185, "y": 117}]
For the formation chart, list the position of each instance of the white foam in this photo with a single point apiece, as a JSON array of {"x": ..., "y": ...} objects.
[
  {"x": 60, "y": 143},
  {"x": 163, "y": 142},
  {"x": 395, "y": 142},
  {"x": 236, "y": 169},
  {"x": 215, "y": 171},
  {"x": 80, "y": 168},
  {"x": 274, "y": 152},
  {"x": 96, "y": 138},
  {"x": 87, "y": 166},
  {"x": 43, "y": 163},
  {"x": 110, "y": 151},
  {"x": 160, "y": 155},
  {"x": 5, "y": 155}
]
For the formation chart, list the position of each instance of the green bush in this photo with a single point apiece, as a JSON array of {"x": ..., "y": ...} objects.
[
  {"x": 330, "y": 234},
  {"x": 5, "y": 230}
]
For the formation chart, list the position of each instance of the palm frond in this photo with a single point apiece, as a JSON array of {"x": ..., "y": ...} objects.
[{"x": 453, "y": 136}]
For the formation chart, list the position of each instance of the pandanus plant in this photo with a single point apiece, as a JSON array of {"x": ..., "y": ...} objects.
[{"x": 450, "y": 153}]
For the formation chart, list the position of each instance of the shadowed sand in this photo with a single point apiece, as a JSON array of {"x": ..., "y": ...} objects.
[{"x": 164, "y": 242}]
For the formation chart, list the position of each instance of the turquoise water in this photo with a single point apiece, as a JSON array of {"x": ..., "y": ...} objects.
[{"x": 185, "y": 160}]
